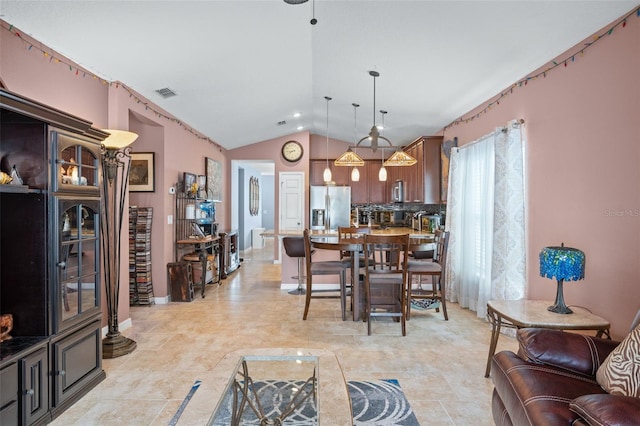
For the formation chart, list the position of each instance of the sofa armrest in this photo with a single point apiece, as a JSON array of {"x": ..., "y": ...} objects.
[
  {"x": 573, "y": 352},
  {"x": 607, "y": 409}
]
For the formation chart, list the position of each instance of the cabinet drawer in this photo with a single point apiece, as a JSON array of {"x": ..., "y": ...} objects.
[
  {"x": 77, "y": 361},
  {"x": 9, "y": 388},
  {"x": 9, "y": 394}
]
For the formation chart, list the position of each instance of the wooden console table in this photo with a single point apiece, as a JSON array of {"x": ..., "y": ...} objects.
[
  {"x": 534, "y": 313},
  {"x": 202, "y": 247}
]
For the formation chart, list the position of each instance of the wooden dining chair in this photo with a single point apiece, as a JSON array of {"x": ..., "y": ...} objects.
[
  {"x": 323, "y": 267},
  {"x": 349, "y": 233},
  {"x": 434, "y": 269},
  {"x": 385, "y": 260}
]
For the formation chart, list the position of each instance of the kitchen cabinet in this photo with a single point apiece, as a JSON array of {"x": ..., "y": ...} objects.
[
  {"x": 50, "y": 237},
  {"x": 360, "y": 189},
  {"x": 422, "y": 180}
]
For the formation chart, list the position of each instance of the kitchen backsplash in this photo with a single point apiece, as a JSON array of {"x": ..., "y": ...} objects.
[{"x": 394, "y": 214}]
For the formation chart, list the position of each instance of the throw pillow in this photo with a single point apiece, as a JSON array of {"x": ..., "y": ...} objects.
[{"x": 619, "y": 374}]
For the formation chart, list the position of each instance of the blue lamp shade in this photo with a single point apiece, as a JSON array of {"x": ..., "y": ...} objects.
[{"x": 562, "y": 263}]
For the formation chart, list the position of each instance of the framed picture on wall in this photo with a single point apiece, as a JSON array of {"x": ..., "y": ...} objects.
[
  {"x": 189, "y": 182},
  {"x": 214, "y": 179},
  {"x": 142, "y": 172}
]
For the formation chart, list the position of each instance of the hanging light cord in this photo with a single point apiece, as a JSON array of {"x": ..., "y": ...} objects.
[
  {"x": 328, "y": 99},
  {"x": 355, "y": 129}
]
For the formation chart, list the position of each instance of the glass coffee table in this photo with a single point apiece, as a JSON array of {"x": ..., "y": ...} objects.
[{"x": 272, "y": 387}]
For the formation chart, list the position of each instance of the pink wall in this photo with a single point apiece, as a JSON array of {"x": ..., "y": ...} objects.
[
  {"x": 582, "y": 135},
  {"x": 270, "y": 150},
  {"x": 28, "y": 72}
]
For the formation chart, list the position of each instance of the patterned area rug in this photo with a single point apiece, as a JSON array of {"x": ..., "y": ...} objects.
[
  {"x": 374, "y": 403},
  {"x": 380, "y": 403},
  {"x": 274, "y": 397},
  {"x": 424, "y": 304}
]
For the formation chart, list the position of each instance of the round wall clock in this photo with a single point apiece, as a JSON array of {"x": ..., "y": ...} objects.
[{"x": 292, "y": 151}]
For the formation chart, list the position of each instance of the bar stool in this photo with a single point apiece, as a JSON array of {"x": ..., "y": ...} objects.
[{"x": 294, "y": 247}]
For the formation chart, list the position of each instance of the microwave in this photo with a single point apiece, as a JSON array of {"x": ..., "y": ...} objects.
[{"x": 397, "y": 191}]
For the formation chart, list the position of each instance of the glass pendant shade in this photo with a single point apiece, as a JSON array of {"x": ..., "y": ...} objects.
[
  {"x": 355, "y": 174},
  {"x": 326, "y": 175},
  {"x": 382, "y": 174},
  {"x": 400, "y": 158}
]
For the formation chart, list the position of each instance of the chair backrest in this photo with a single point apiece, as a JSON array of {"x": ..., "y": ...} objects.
[
  {"x": 386, "y": 254},
  {"x": 294, "y": 246},
  {"x": 442, "y": 248},
  {"x": 347, "y": 232},
  {"x": 441, "y": 241},
  {"x": 352, "y": 232}
]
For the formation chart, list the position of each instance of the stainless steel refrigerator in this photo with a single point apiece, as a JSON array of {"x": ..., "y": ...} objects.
[{"x": 330, "y": 207}]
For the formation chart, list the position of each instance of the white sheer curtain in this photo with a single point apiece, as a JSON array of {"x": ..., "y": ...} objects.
[{"x": 485, "y": 217}]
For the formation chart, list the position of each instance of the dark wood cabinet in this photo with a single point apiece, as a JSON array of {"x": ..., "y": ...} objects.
[
  {"x": 360, "y": 188},
  {"x": 422, "y": 180},
  {"x": 35, "y": 384},
  {"x": 378, "y": 190},
  {"x": 50, "y": 238}
]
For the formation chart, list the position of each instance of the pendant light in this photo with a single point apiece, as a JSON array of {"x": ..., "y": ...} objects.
[
  {"x": 382, "y": 174},
  {"x": 399, "y": 157},
  {"x": 327, "y": 171},
  {"x": 355, "y": 174}
]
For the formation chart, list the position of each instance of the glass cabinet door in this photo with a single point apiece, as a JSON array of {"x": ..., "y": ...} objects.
[
  {"x": 78, "y": 259},
  {"x": 77, "y": 163}
]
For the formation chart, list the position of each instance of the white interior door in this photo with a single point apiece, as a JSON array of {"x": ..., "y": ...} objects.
[{"x": 291, "y": 201}]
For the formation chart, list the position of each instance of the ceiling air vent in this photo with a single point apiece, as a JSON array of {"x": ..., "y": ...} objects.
[{"x": 165, "y": 92}]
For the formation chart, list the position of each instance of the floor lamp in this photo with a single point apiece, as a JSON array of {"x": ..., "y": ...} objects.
[{"x": 115, "y": 178}]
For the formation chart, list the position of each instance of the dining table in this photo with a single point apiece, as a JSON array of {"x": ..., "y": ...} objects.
[{"x": 417, "y": 242}]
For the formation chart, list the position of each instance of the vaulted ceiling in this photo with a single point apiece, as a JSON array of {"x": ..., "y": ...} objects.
[{"x": 241, "y": 68}]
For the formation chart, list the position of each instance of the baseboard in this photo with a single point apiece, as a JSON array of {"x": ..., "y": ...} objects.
[
  {"x": 121, "y": 326},
  {"x": 161, "y": 300}
]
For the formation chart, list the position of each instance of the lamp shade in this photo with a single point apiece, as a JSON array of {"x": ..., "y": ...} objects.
[
  {"x": 355, "y": 174},
  {"x": 562, "y": 263},
  {"x": 119, "y": 138},
  {"x": 382, "y": 174},
  {"x": 400, "y": 158},
  {"x": 349, "y": 159}
]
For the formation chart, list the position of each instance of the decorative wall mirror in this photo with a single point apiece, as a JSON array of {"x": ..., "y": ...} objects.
[{"x": 254, "y": 196}]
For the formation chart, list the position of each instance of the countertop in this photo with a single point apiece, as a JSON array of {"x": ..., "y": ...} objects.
[{"x": 334, "y": 232}]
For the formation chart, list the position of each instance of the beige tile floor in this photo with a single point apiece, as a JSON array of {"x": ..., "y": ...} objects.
[{"x": 439, "y": 364}]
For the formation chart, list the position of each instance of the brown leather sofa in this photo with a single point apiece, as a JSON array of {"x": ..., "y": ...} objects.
[{"x": 552, "y": 381}]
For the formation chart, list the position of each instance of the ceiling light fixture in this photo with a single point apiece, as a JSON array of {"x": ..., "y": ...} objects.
[
  {"x": 327, "y": 171},
  {"x": 313, "y": 8},
  {"x": 382, "y": 174},
  {"x": 399, "y": 158}
]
